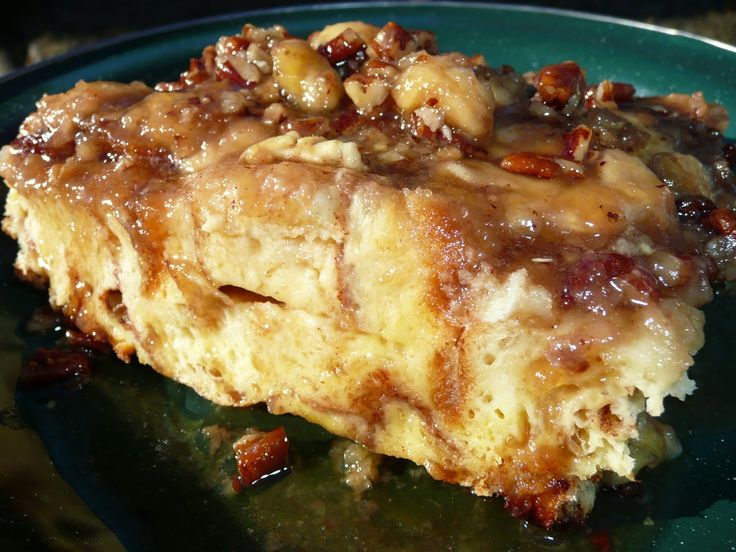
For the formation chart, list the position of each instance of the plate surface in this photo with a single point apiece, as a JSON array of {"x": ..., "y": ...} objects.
[{"x": 131, "y": 466}]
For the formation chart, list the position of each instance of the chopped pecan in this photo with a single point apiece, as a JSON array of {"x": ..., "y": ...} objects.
[
  {"x": 371, "y": 87},
  {"x": 365, "y": 31},
  {"x": 226, "y": 71},
  {"x": 721, "y": 221},
  {"x": 260, "y": 455},
  {"x": 394, "y": 42},
  {"x": 622, "y": 92},
  {"x": 531, "y": 164},
  {"x": 560, "y": 86},
  {"x": 232, "y": 45},
  {"x": 576, "y": 142},
  {"x": 240, "y": 59},
  {"x": 194, "y": 75},
  {"x": 391, "y": 42},
  {"x": 607, "y": 91},
  {"x": 231, "y": 62},
  {"x": 428, "y": 123},
  {"x": 345, "y": 52},
  {"x": 425, "y": 40},
  {"x": 265, "y": 37}
]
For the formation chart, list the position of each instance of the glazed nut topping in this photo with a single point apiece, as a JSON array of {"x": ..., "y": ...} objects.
[
  {"x": 369, "y": 88},
  {"x": 393, "y": 42},
  {"x": 305, "y": 77},
  {"x": 447, "y": 85},
  {"x": 366, "y": 92},
  {"x": 560, "y": 86}
]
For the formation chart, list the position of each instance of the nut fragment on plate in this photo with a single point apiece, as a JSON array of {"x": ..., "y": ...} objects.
[
  {"x": 495, "y": 276},
  {"x": 260, "y": 455}
]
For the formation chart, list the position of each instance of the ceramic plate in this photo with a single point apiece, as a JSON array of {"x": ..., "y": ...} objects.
[{"x": 122, "y": 461}]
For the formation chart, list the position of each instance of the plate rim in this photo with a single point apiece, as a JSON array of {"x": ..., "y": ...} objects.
[{"x": 75, "y": 54}]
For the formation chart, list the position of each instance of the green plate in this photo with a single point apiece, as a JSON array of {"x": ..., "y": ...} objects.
[{"x": 122, "y": 462}]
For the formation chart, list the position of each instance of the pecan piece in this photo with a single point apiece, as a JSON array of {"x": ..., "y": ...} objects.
[
  {"x": 392, "y": 42},
  {"x": 232, "y": 44},
  {"x": 226, "y": 71},
  {"x": 622, "y": 92},
  {"x": 721, "y": 221},
  {"x": 370, "y": 87},
  {"x": 576, "y": 142},
  {"x": 260, "y": 455},
  {"x": 531, "y": 164},
  {"x": 346, "y": 52},
  {"x": 607, "y": 91},
  {"x": 343, "y": 47},
  {"x": 560, "y": 86}
]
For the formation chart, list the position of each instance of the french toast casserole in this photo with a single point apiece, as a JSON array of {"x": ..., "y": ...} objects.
[{"x": 494, "y": 275}]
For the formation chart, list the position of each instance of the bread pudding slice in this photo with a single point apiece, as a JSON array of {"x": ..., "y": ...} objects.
[{"x": 494, "y": 276}]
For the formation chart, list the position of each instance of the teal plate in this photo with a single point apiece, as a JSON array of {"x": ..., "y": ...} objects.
[{"x": 121, "y": 462}]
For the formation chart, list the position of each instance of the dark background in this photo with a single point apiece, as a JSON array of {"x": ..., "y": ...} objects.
[{"x": 63, "y": 24}]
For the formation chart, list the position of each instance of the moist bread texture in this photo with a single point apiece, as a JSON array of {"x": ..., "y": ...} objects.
[{"x": 495, "y": 276}]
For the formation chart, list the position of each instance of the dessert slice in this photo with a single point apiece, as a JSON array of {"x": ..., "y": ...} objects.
[{"x": 494, "y": 276}]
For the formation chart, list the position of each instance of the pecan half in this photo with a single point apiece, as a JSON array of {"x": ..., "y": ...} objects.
[{"x": 531, "y": 164}]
